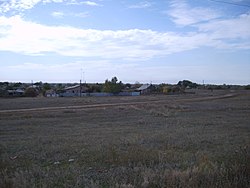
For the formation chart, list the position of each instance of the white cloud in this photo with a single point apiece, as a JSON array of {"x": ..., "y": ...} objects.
[
  {"x": 60, "y": 14},
  {"x": 57, "y": 14},
  {"x": 144, "y": 4},
  {"x": 232, "y": 28},
  {"x": 182, "y": 14},
  {"x": 20, "y": 36},
  {"x": 220, "y": 33},
  {"x": 22, "y": 5},
  {"x": 18, "y": 5},
  {"x": 88, "y": 3},
  {"x": 231, "y": 33},
  {"x": 80, "y": 15}
]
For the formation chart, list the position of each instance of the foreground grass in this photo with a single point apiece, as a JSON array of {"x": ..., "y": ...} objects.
[{"x": 201, "y": 144}]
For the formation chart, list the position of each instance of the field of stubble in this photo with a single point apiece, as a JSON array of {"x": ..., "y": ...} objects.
[{"x": 194, "y": 140}]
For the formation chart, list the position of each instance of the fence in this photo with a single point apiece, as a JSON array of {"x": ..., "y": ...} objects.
[{"x": 101, "y": 94}]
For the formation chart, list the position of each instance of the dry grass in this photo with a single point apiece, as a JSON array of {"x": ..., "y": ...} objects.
[{"x": 171, "y": 144}]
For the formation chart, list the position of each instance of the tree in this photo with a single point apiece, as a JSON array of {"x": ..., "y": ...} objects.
[
  {"x": 46, "y": 86},
  {"x": 114, "y": 80},
  {"x": 38, "y": 84},
  {"x": 137, "y": 84},
  {"x": 3, "y": 93},
  {"x": 31, "y": 92},
  {"x": 4, "y": 84},
  {"x": 127, "y": 85},
  {"x": 187, "y": 83},
  {"x": 17, "y": 85},
  {"x": 94, "y": 88},
  {"x": 247, "y": 87},
  {"x": 112, "y": 86}
]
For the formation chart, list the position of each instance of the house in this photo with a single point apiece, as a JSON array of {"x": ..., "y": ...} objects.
[
  {"x": 75, "y": 90},
  {"x": 51, "y": 93},
  {"x": 145, "y": 89},
  {"x": 16, "y": 92}
]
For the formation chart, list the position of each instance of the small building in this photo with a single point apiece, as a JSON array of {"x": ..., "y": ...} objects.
[
  {"x": 16, "y": 92},
  {"x": 72, "y": 91},
  {"x": 145, "y": 89},
  {"x": 51, "y": 93}
]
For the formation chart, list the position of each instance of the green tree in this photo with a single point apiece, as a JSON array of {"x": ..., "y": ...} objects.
[
  {"x": 187, "y": 83},
  {"x": 94, "y": 88},
  {"x": 59, "y": 88},
  {"x": 247, "y": 87},
  {"x": 38, "y": 84},
  {"x": 112, "y": 86},
  {"x": 46, "y": 86},
  {"x": 17, "y": 85},
  {"x": 128, "y": 85}
]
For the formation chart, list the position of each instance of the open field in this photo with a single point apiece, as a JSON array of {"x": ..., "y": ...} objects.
[{"x": 193, "y": 140}]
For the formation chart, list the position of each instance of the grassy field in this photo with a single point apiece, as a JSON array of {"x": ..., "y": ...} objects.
[{"x": 194, "y": 140}]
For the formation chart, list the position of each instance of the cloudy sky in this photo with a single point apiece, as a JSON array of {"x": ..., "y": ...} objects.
[{"x": 147, "y": 41}]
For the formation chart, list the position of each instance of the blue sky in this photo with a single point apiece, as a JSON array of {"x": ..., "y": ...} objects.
[{"x": 158, "y": 41}]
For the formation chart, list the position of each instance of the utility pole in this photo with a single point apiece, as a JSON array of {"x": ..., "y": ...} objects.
[
  {"x": 80, "y": 88},
  {"x": 81, "y": 82},
  {"x": 83, "y": 78}
]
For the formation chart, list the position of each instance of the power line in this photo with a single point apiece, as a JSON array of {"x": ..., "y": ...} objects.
[{"x": 230, "y": 3}]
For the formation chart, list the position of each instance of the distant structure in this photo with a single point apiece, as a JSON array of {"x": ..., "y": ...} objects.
[
  {"x": 145, "y": 89},
  {"x": 51, "y": 93},
  {"x": 76, "y": 90},
  {"x": 15, "y": 92}
]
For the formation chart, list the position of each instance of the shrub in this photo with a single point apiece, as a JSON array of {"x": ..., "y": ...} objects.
[{"x": 31, "y": 92}]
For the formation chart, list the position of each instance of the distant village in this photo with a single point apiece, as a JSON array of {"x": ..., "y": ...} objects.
[{"x": 108, "y": 88}]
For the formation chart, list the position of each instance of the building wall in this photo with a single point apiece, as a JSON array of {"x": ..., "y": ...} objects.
[
  {"x": 146, "y": 91},
  {"x": 75, "y": 90}
]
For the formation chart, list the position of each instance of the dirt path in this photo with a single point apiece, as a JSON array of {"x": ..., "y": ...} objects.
[{"x": 117, "y": 104}]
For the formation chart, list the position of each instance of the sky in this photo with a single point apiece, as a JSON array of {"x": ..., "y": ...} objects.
[{"x": 146, "y": 41}]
